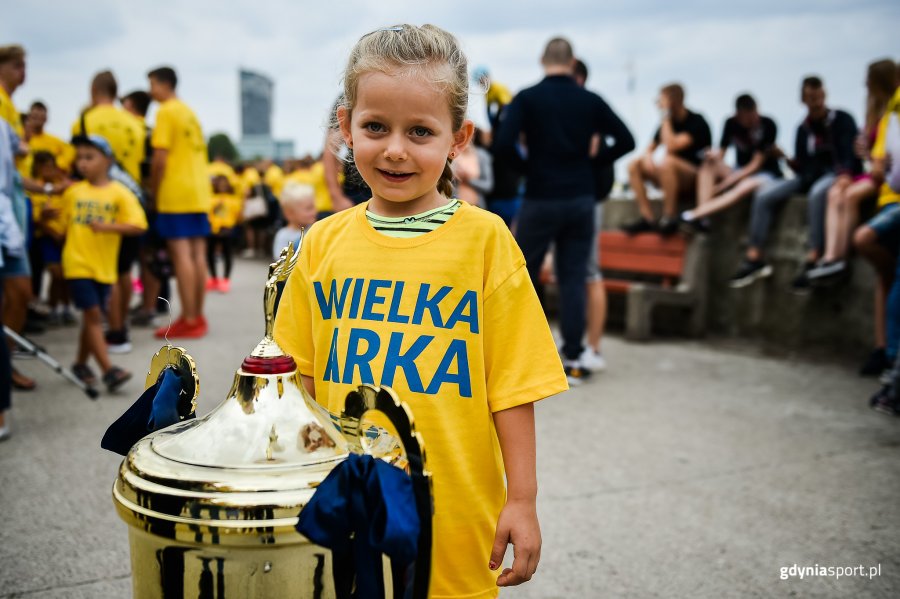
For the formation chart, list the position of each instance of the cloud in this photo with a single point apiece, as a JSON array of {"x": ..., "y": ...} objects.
[{"x": 717, "y": 49}]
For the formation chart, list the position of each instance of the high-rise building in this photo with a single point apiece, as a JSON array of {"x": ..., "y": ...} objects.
[
  {"x": 257, "y": 92},
  {"x": 257, "y": 99}
]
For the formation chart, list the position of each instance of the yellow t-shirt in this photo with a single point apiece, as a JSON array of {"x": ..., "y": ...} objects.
[
  {"x": 9, "y": 113},
  {"x": 451, "y": 321},
  {"x": 886, "y": 195},
  {"x": 218, "y": 168},
  {"x": 87, "y": 254},
  {"x": 185, "y": 184},
  {"x": 63, "y": 152},
  {"x": 249, "y": 179},
  {"x": 41, "y": 202},
  {"x": 498, "y": 93},
  {"x": 225, "y": 211},
  {"x": 124, "y": 132},
  {"x": 274, "y": 178},
  {"x": 314, "y": 176}
]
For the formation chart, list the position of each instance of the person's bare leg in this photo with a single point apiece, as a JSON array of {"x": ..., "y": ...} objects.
[
  {"x": 675, "y": 175},
  {"x": 731, "y": 197},
  {"x": 93, "y": 338},
  {"x": 81, "y": 357},
  {"x": 119, "y": 300},
  {"x": 198, "y": 256},
  {"x": 835, "y": 221},
  {"x": 186, "y": 275},
  {"x": 854, "y": 196},
  {"x": 596, "y": 321},
  {"x": 866, "y": 242},
  {"x": 711, "y": 171},
  {"x": 638, "y": 170}
]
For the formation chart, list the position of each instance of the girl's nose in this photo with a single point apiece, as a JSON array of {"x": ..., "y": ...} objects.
[{"x": 395, "y": 149}]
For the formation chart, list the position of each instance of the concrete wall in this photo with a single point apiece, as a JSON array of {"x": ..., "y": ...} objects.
[{"x": 827, "y": 320}]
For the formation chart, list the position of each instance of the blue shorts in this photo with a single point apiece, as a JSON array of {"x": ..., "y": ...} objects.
[
  {"x": 87, "y": 293},
  {"x": 886, "y": 225},
  {"x": 180, "y": 226},
  {"x": 51, "y": 251}
]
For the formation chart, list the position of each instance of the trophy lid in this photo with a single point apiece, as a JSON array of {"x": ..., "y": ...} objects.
[{"x": 249, "y": 465}]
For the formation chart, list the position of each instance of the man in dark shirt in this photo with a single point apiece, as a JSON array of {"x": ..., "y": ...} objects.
[
  {"x": 756, "y": 157},
  {"x": 823, "y": 150},
  {"x": 558, "y": 121},
  {"x": 686, "y": 136}
]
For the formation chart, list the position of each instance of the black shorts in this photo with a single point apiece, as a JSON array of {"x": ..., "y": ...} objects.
[{"x": 128, "y": 252}]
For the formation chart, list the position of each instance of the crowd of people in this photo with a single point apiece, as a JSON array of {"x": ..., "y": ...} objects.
[{"x": 122, "y": 207}]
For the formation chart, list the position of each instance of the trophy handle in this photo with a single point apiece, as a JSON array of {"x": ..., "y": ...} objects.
[{"x": 383, "y": 399}]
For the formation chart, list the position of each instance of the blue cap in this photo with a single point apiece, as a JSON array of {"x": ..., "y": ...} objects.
[
  {"x": 96, "y": 141},
  {"x": 480, "y": 72}
]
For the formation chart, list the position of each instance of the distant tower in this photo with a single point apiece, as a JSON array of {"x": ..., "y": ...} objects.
[
  {"x": 256, "y": 104},
  {"x": 257, "y": 95}
]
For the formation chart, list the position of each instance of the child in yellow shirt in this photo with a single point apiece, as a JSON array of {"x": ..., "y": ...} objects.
[
  {"x": 97, "y": 212},
  {"x": 430, "y": 296},
  {"x": 224, "y": 215},
  {"x": 50, "y": 232}
]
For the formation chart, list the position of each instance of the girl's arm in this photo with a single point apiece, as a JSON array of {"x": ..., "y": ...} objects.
[
  {"x": 518, "y": 522},
  {"x": 121, "y": 228}
]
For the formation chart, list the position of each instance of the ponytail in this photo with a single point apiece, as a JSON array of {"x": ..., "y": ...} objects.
[{"x": 445, "y": 183}]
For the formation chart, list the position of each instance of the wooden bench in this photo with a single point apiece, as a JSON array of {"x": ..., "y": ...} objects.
[{"x": 674, "y": 270}]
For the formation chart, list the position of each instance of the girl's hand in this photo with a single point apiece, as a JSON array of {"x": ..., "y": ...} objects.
[{"x": 517, "y": 524}]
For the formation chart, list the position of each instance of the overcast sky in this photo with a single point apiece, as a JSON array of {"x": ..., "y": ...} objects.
[{"x": 716, "y": 49}]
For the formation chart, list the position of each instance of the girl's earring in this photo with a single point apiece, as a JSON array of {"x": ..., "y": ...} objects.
[{"x": 452, "y": 155}]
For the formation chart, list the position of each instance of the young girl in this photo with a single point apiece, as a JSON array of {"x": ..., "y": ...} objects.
[
  {"x": 224, "y": 213},
  {"x": 430, "y": 296}
]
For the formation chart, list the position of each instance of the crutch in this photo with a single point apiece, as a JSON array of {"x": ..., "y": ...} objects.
[{"x": 38, "y": 352}]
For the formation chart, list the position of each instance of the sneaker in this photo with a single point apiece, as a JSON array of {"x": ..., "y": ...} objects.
[
  {"x": 576, "y": 373},
  {"x": 827, "y": 272},
  {"x": 800, "y": 285},
  {"x": 54, "y": 320},
  {"x": 748, "y": 272},
  {"x": 182, "y": 329},
  {"x": 883, "y": 402},
  {"x": 115, "y": 377},
  {"x": 212, "y": 283},
  {"x": 224, "y": 286},
  {"x": 875, "y": 364},
  {"x": 143, "y": 319},
  {"x": 117, "y": 342},
  {"x": 84, "y": 374},
  {"x": 68, "y": 318},
  {"x": 248, "y": 253},
  {"x": 642, "y": 225},
  {"x": 34, "y": 327},
  {"x": 668, "y": 226},
  {"x": 694, "y": 226},
  {"x": 591, "y": 360}
]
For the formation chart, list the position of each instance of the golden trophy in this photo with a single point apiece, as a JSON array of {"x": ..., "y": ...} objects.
[{"x": 212, "y": 503}]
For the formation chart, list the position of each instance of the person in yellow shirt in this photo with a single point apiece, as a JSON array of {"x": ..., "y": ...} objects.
[
  {"x": 273, "y": 176},
  {"x": 219, "y": 166},
  {"x": 223, "y": 218},
  {"x": 41, "y": 141},
  {"x": 50, "y": 232},
  {"x": 122, "y": 130},
  {"x": 254, "y": 222},
  {"x": 313, "y": 173},
  {"x": 179, "y": 182},
  {"x": 496, "y": 95},
  {"x": 97, "y": 212},
  {"x": 12, "y": 75}
]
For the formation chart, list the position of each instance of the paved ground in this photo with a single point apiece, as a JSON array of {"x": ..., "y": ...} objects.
[{"x": 686, "y": 470}]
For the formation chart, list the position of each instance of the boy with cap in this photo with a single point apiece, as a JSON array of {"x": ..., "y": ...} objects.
[{"x": 97, "y": 212}]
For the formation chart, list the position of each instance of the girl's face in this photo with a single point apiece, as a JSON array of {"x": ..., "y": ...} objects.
[{"x": 401, "y": 133}]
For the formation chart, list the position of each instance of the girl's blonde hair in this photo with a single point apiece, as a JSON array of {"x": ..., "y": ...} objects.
[
  {"x": 426, "y": 51},
  {"x": 297, "y": 193}
]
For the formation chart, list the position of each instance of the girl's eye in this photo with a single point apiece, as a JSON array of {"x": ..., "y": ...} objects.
[
  {"x": 420, "y": 131},
  {"x": 374, "y": 127}
]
